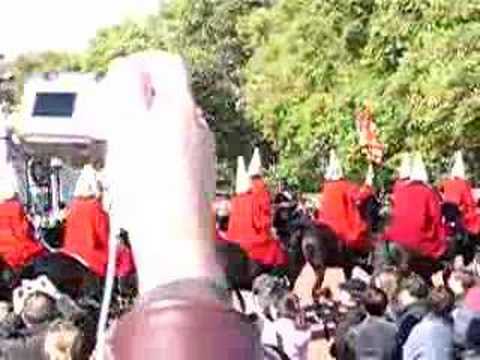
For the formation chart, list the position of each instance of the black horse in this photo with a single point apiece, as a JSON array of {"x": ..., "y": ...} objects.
[
  {"x": 322, "y": 248},
  {"x": 69, "y": 275},
  {"x": 240, "y": 270},
  {"x": 304, "y": 242},
  {"x": 66, "y": 273},
  {"x": 461, "y": 241}
]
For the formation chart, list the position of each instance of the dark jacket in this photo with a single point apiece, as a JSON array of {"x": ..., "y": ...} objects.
[
  {"x": 407, "y": 320},
  {"x": 374, "y": 338},
  {"x": 343, "y": 348}
]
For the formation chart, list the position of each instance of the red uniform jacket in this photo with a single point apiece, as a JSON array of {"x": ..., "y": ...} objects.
[
  {"x": 460, "y": 193},
  {"x": 416, "y": 220},
  {"x": 17, "y": 245},
  {"x": 86, "y": 234},
  {"x": 399, "y": 184},
  {"x": 340, "y": 212},
  {"x": 250, "y": 226}
]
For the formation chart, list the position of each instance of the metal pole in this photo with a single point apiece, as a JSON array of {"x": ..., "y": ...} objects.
[
  {"x": 27, "y": 184},
  {"x": 55, "y": 165}
]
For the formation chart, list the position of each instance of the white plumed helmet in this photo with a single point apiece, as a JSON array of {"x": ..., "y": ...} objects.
[
  {"x": 242, "y": 184},
  {"x": 419, "y": 171},
  {"x": 255, "y": 167},
  {"x": 334, "y": 170},
  {"x": 8, "y": 182},
  {"x": 458, "y": 169},
  {"x": 88, "y": 184},
  {"x": 405, "y": 166}
]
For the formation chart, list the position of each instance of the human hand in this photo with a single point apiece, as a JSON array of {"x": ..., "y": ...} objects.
[{"x": 161, "y": 168}]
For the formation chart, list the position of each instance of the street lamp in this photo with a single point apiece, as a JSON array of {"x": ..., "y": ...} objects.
[{"x": 56, "y": 164}]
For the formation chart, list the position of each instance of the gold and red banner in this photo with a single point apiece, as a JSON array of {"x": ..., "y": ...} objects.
[{"x": 368, "y": 138}]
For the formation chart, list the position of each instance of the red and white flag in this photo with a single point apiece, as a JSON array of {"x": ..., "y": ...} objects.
[{"x": 367, "y": 133}]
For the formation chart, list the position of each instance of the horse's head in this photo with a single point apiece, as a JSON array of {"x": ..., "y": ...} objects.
[
  {"x": 451, "y": 215},
  {"x": 370, "y": 210},
  {"x": 285, "y": 221},
  {"x": 452, "y": 218}
]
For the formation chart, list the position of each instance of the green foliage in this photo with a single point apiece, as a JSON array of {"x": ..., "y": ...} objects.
[
  {"x": 205, "y": 33},
  {"x": 121, "y": 40},
  {"x": 289, "y": 75},
  {"x": 316, "y": 62}
]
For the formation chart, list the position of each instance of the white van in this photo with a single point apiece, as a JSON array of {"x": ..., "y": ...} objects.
[{"x": 55, "y": 135}]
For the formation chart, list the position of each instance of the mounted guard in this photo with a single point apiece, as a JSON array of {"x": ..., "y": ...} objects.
[
  {"x": 457, "y": 193},
  {"x": 416, "y": 226},
  {"x": 251, "y": 218},
  {"x": 339, "y": 210},
  {"x": 18, "y": 246}
]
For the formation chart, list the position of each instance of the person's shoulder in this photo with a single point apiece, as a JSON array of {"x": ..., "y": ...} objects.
[
  {"x": 377, "y": 324},
  {"x": 386, "y": 324},
  {"x": 462, "y": 312},
  {"x": 431, "y": 324},
  {"x": 355, "y": 318}
]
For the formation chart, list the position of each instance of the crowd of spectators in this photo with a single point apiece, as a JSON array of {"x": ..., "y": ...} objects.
[{"x": 392, "y": 315}]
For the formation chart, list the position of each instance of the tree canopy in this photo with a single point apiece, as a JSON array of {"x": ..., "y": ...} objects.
[
  {"x": 316, "y": 62},
  {"x": 290, "y": 75}
]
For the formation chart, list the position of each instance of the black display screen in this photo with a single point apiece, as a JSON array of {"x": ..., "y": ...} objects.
[{"x": 54, "y": 104}]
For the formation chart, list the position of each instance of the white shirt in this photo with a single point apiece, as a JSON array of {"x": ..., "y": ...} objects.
[{"x": 294, "y": 341}]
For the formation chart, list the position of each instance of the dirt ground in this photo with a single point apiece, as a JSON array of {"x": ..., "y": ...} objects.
[{"x": 319, "y": 349}]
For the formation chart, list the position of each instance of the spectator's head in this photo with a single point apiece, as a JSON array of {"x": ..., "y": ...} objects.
[
  {"x": 387, "y": 280},
  {"x": 441, "y": 301},
  {"x": 412, "y": 289},
  {"x": 460, "y": 281},
  {"x": 375, "y": 301},
  {"x": 64, "y": 341},
  {"x": 350, "y": 292},
  {"x": 39, "y": 308}
]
